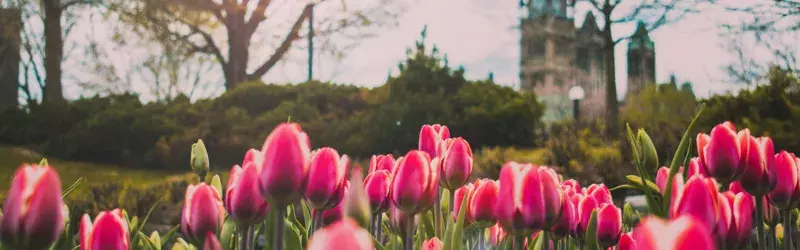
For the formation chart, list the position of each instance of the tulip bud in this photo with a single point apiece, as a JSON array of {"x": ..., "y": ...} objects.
[
  {"x": 626, "y": 242},
  {"x": 682, "y": 233},
  {"x": 609, "y": 225},
  {"x": 109, "y": 232},
  {"x": 199, "y": 159},
  {"x": 736, "y": 222},
  {"x": 456, "y": 164},
  {"x": 381, "y": 162},
  {"x": 254, "y": 156},
  {"x": 415, "y": 182},
  {"x": 529, "y": 198},
  {"x": 661, "y": 182},
  {"x": 759, "y": 175},
  {"x": 211, "y": 242},
  {"x": 600, "y": 193},
  {"x": 771, "y": 213},
  {"x": 345, "y": 234},
  {"x": 32, "y": 212},
  {"x": 586, "y": 205},
  {"x": 786, "y": 188},
  {"x": 203, "y": 212},
  {"x": 629, "y": 215},
  {"x": 462, "y": 193},
  {"x": 432, "y": 244},
  {"x": 565, "y": 224},
  {"x": 698, "y": 199},
  {"x": 736, "y": 187},
  {"x": 284, "y": 172},
  {"x": 649, "y": 156},
  {"x": 571, "y": 186},
  {"x": 326, "y": 178},
  {"x": 484, "y": 197},
  {"x": 724, "y": 151},
  {"x": 377, "y": 185},
  {"x": 216, "y": 183},
  {"x": 430, "y": 137},
  {"x": 242, "y": 198},
  {"x": 356, "y": 201}
]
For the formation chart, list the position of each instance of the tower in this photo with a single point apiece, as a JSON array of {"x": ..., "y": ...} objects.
[
  {"x": 9, "y": 56},
  {"x": 590, "y": 67},
  {"x": 641, "y": 60}
]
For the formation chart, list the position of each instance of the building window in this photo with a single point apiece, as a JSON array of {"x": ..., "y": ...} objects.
[
  {"x": 536, "y": 46},
  {"x": 583, "y": 59}
]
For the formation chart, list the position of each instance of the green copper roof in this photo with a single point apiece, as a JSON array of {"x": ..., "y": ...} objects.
[{"x": 641, "y": 36}]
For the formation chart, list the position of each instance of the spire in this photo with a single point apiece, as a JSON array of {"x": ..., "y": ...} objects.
[
  {"x": 589, "y": 21},
  {"x": 641, "y": 36}
]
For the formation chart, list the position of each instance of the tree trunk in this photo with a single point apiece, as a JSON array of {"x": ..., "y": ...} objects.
[
  {"x": 238, "y": 54},
  {"x": 54, "y": 49},
  {"x": 612, "y": 105}
]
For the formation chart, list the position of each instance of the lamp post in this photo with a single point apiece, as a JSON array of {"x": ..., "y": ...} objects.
[
  {"x": 313, "y": 4},
  {"x": 576, "y": 94}
]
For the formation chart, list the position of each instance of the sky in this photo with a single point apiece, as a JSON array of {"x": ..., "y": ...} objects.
[{"x": 476, "y": 34}]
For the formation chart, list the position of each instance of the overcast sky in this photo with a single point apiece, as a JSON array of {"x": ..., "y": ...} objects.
[{"x": 480, "y": 35}]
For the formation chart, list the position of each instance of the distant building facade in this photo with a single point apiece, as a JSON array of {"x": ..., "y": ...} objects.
[
  {"x": 10, "y": 27},
  {"x": 556, "y": 55}
]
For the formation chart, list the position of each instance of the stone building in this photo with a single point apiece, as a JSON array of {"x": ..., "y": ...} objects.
[{"x": 556, "y": 55}]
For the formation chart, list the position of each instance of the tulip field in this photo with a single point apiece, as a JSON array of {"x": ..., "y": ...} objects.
[{"x": 723, "y": 189}]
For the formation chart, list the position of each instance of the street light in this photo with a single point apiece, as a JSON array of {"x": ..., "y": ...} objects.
[{"x": 576, "y": 94}]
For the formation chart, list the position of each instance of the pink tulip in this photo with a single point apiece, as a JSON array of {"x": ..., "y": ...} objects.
[
  {"x": 284, "y": 171},
  {"x": 586, "y": 205},
  {"x": 770, "y": 212},
  {"x": 600, "y": 193},
  {"x": 109, "y": 232},
  {"x": 430, "y": 137},
  {"x": 759, "y": 175},
  {"x": 334, "y": 214},
  {"x": 381, "y": 162},
  {"x": 736, "y": 187},
  {"x": 32, "y": 212},
  {"x": 698, "y": 199},
  {"x": 326, "y": 178},
  {"x": 696, "y": 167},
  {"x": 344, "y": 234},
  {"x": 456, "y": 164},
  {"x": 415, "y": 182},
  {"x": 682, "y": 233},
  {"x": 211, "y": 242},
  {"x": 783, "y": 196},
  {"x": 571, "y": 186},
  {"x": 735, "y": 223},
  {"x": 661, "y": 182},
  {"x": 377, "y": 185},
  {"x": 203, "y": 212},
  {"x": 724, "y": 152},
  {"x": 529, "y": 198},
  {"x": 242, "y": 198},
  {"x": 484, "y": 196},
  {"x": 432, "y": 244},
  {"x": 462, "y": 193},
  {"x": 566, "y": 223},
  {"x": 609, "y": 225},
  {"x": 496, "y": 234},
  {"x": 254, "y": 156},
  {"x": 626, "y": 242}
]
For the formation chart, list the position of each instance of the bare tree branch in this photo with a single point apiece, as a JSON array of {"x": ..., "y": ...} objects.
[
  {"x": 285, "y": 45},
  {"x": 258, "y": 15}
]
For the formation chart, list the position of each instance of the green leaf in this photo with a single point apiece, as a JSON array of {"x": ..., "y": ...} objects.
[
  {"x": 71, "y": 188},
  {"x": 651, "y": 192},
  {"x": 591, "y": 232},
  {"x": 149, "y": 212},
  {"x": 217, "y": 184},
  {"x": 636, "y": 181},
  {"x": 448, "y": 236},
  {"x": 134, "y": 224},
  {"x": 228, "y": 233},
  {"x": 306, "y": 215},
  {"x": 147, "y": 241},
  {"x": 167, "y": 238},
  {"x": 536, "y": 242},
  {"x": 625, "y": 186},
  {"x": 377, "y": 244},
  {"x": 293, "y": 238},
  {"x": 268, "y": 228},
  {"x": 680, "y": 154},
  {"x": 297, "y": 223},
  {"x": 43, "y": 162},
  {"x": 427, "y": 223},
  {"x": 458, "y": 228}
]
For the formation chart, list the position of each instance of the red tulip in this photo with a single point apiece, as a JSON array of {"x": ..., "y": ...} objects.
[
  {"x": 415, "y": 183},
  {"x": 529, "y": 198},
  {"x": 759, "y": 175},
  {"x": 345, "y": 234},
  {"x": 377, "y": 185},
  {"x": 496, "y": 234},
  {"x": 284, "y": 171},
  {"x": 682, "y": 233},
  {"x": 733, "y": 228},
  {"x": 609, "y": 225},
  {"x": 203, "y": 212},
  {"x": 242, "y": 198},
  {"x": 432, "y": 244},
  {"x": 696, "y": 167},
  {"x": 724, "y": 152},
  {"x": 566, "y": 223},
  {"x": 600, "y": 193},
  {"x": 334, "y": 214},
  {"x": 326, "y": 178},
  {"x": 430, "y": 137},
  {"x": 109, "y": 232},
  {"x": 661, "y": 182},
  {"x": 786, "y": 188},
  {"x": 462, "y": 193},
  {"x": 736, "y": 187},
  {"x": 381, "y": 162},
  {"x": 484, "y": 196},
  {"x": 698, "y": 199},
  {"x": 456, "y": 164},
  {"x": 626, "y": 242},
  {"x": 32, "y": 212},
  {"x": 211, "y": 242},
  {"x": 586, "y": 205}
]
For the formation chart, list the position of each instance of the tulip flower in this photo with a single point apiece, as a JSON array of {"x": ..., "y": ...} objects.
[
  {"x": 484, "y": 196},
  {"x": 496, "y": 234},
  {"x": 211, "y": 242},
  {"x": 609, "y": 225},
  {"x": 626, "y": 242},
  {"x": 326, "y": 178},
  {"x": 242, "y": 199},
  {"x": 109, "y": 232},
  {"x": 377, "y": 185},
  {"x": 698, "y": 199},
  {"x": 661, "y": 182},
  {"x": 456, "y": 165},
  {"x": 571, "y": 186},
  {"x": 399, "y": 220},
  {"x": 432, "y": 244},
  {"x": 759, "y": 175},
  {"x": 430, "y": 137},
  {"x": 566, "y": 223},
  {"x": 345, "y": 234},
  {"x": 381, "y": 162},
  {"x": 736, "y": 187},
  {"x": 735, "y": 223},
  {"x": 682, "y": 233},
  {"x": 284, "y": 171},
  {"x": 415, "y": 182},
  {"x": 696, "y": 167},
  {"x": 600, "y": 193},
  {"x": 334, "y": 214},
  {"x": 253, "y": 155},
  {"x": 586, "y": 205},
  {"x": 723, "y": 152},
  {"x": 198, "y": 159},
  {"x": 783, "y": 196},
  {"x": 203, "y": 212},
  {"x": 529, "y": 198},
  {"x": 32, "y": 212},
  {"x": 462, "y": 193},
  {"x": 770, "y": 212}
]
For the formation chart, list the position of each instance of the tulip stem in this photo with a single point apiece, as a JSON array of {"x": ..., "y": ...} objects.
[
  {"x": 762, "y": 242},
  {"x": 437, "y": 214},
  {"x": 280, "y": 223},
  {"x": 787, "y": 229},
  {"x": 481, "y": 236},
  {"x": 202, "y": 177},
  {"x": 556, "y": 244},
  {"x": 518, "y": 242},
  {"x": 545, "y": 239},
  {"x": 317, "y": 222},
  {"x": 408, "y": 238},
  {"x": 248, "y": 240},
  {"x": 379, "y": 227}
]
